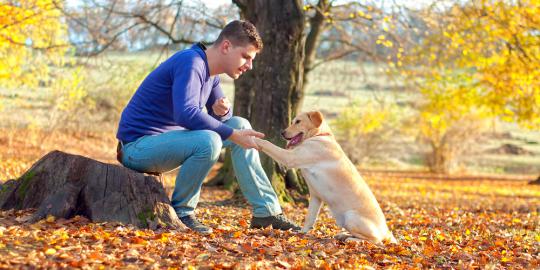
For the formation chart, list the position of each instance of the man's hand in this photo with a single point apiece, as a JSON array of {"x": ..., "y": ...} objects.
[
  {"x": 221, "y": 107},
  {"x": 245, "y": 138},
  {"x": 259, "y": 142}
]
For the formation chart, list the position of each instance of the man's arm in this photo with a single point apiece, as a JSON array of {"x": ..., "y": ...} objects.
[
  {"x": 187, "y": 113},
  {"x": 217, "y": 102},
  {"x": 186, "y": 98}
]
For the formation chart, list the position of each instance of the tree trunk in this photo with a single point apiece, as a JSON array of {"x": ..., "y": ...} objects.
[
  {"x": 438, "y": 159},
  {"x": 535, "y": 182},
  {"x": 65, "y": 185},
  {"x": 317, "y": 25},
  {"x": 268, "y": 94}
]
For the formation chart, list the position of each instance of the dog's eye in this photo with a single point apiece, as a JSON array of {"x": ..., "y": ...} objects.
[{"x": 297, "y": 122}]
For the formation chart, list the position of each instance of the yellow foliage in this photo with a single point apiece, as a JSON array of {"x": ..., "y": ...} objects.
[
  {"x": 361, "y": 119},
  {"x": 363, "y": 128},
  {"x": 32, "y": 38},
  {"x": 68, "y": 91},
  {"x": 496, "y": 43}
]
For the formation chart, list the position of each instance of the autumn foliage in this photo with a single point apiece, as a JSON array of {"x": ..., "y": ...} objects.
[
  {"x": 439, "y": 224},
  {"x": 470, "y": 64},
  {"x": 33, "y": 39}
]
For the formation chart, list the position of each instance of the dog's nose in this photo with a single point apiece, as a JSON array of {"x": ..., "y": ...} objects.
[{"x": 283, "y": 133}]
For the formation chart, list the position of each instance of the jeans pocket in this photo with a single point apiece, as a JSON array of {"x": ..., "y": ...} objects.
[{"x": 135, "y": 158}]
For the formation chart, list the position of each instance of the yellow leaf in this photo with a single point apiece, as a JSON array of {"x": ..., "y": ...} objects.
[
  {"x": 237, "y": 234},
  {"x": 404, "y": 252},
  {"x": 292, "y": 239},
  {"x": 50, "y": 219},
  {"x": 50, "y": 251}
]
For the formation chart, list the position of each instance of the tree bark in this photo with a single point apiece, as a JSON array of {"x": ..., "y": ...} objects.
[
  {"x": 65, "y": 185},
  {"x": 535, "y": 182},
  {"x": 268, "y": 94},
  {"x": 317, "y": 26}
]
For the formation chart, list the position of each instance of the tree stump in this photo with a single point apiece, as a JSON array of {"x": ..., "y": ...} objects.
[
  {"x": 535, "y": 182},
  {"x": 64, "y": 185}
]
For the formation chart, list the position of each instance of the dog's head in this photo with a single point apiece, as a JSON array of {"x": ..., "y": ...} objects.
[{"x": 305, "y": 126}]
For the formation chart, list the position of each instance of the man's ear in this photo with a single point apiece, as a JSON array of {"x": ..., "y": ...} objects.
[
  {"x": 316, "y": 118},
  {"x": 225, "y": 46}
]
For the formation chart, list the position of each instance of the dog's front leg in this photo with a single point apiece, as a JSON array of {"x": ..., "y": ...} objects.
[
  {"x": 313, "y": 211},
  {"x": 282, "y": 156}
]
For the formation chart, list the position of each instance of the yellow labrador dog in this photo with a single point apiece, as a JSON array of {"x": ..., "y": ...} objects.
[{"x": 331, "y": 178}]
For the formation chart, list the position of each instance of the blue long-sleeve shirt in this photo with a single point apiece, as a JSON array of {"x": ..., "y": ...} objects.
[{"x": 172, "y": 97}]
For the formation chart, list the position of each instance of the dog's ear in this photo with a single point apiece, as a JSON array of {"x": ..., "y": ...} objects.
[{"x": 316, "y": 118}]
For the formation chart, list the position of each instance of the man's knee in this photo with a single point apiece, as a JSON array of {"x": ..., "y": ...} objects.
[
  {"x": 211, "y": 144},
  {"x": 237, "y": 122}
]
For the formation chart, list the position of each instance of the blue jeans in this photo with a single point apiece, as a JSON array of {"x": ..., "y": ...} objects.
[{"x": 197, "y": 151}]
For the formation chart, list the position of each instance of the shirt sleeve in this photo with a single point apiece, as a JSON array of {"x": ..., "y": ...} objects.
[
  {"x": 216, "y": 94},
  {"x": 187, "y": 110}
]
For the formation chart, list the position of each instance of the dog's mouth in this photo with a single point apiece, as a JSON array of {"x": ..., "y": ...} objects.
[{"x": 295, "y": 140}]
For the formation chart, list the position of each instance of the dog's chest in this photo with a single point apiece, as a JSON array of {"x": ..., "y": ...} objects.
[{"x": 319, "y": 181}]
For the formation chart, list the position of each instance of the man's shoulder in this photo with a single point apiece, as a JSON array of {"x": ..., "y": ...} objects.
[{"x": 189, "y": 55}]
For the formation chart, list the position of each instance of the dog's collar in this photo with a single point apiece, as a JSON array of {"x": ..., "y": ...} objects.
[{"x": 324, "y": 134}]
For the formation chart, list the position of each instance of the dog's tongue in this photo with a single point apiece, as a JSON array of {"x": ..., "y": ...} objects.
[{"x": 294, "y": 140}]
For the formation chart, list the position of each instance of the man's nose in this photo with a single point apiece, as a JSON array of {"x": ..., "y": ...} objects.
[{"x": 249, "y": 64}]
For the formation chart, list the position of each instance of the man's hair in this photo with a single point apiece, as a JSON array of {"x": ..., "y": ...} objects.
[{"x": 241, "y": 33}]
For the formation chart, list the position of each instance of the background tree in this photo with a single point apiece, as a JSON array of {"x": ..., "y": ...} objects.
[
  {"x": 338, "y": 28},
  {"x": 264, "y": 95},
  {"x": 478, "y": 57},
  {"x": 35, "y": 51},
  {"x": 33, "y": 39},
  {"x": 121, "y": 25}
]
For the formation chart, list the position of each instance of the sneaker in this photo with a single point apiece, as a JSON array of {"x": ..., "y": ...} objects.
[
  {"x": 191, "y": 222},
  {"x": 279, "y": 222}
]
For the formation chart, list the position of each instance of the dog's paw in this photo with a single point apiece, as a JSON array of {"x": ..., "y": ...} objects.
[
  {"x": 343, "y": 236},
  {"x": 354, "y": 239},
  {"x": 306, "y": 229}
]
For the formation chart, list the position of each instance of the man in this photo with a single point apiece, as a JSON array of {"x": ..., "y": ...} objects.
[{"x": 164, "y": 126}]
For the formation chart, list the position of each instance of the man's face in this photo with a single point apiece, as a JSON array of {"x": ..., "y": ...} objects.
[{"x": 238, "y": 59}]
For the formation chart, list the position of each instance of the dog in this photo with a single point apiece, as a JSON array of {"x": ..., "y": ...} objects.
[{"x": 331, "y": 178}]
